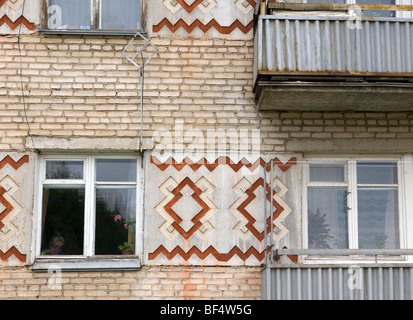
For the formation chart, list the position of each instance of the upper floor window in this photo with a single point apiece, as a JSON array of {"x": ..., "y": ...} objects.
[
  {"x": 93, "y": 15},
  {"x": 369, "y": 13},
  {"x": 354, "y": 203}
]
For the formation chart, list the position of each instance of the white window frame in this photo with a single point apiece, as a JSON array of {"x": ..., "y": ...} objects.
[
  {"x": 404, "y": 202},
  {"x": 89, "y": 181}
]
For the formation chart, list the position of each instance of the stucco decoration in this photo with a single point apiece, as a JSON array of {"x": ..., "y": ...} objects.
[
  {"x": 19, "y": 16},
  {"x": 202, "y": 18},
  {"x": 16, "y": 195},
  {"x": 211, "y": 212}
]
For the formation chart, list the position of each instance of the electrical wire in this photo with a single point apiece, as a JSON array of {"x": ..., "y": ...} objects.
[{"x": 21, "y": 76}]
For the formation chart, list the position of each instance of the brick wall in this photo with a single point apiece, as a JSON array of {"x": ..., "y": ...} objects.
[
  {"x": 149, "y": 283},
  {"x": 78, "y": 86},
  {"x": 83, "y": 87}
]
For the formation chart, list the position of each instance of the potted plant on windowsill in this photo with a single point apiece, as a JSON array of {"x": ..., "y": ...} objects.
[{"x": 128, "y": 247}]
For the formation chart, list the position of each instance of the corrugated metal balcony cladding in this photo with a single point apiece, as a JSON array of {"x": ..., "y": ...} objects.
[
  {"x": 373, "y": 282},
  {"x": 314, "y": 45}
]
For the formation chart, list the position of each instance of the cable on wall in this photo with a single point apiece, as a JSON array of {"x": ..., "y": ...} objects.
[{"x": 21, "y": 78}]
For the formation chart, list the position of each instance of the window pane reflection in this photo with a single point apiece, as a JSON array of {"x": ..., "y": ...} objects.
[
  {"x": 73, "y": 14},
  {"x": 327, "y": 172},
  {"x": 372, "y": 13},
  {"x": 115, "y": 207},
  {"x": 377, "y": 172},
  {"x": 378, "y": 222},
  {"x": 327, "y": 218},
  {"x": 120, "y": 15},
  {"x": 63, "y": 221},
  {"x": 64, "y": 170},
  {"x": 116, "y": 170}
]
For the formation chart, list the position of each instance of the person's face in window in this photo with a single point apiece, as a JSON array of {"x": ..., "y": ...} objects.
[{"x": 57, "y": 247}]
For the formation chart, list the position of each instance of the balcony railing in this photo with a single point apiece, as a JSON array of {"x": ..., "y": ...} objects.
[
  {"x": 335, "y": 281},
  {"x": 365, "y": 56}
]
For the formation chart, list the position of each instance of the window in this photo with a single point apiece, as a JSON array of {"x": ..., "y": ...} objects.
[
  {"x": 353, "y": 203},
  {"x": 369, "y": 13},
  {"x": 88, "y": 206},
  {"x": 93, "y": 15}
]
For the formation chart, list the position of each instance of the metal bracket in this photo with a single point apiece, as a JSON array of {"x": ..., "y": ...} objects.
[{"x": 137, "y": 55}]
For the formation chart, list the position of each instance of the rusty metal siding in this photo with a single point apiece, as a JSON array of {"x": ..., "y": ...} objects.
[
  {"x": 326, "y": 45},
  {"x": 332, "y": 283}
]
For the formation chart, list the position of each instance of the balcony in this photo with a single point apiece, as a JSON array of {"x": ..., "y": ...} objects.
[
  {"x": 313, "y": 57},
  {"x": 346, "y": 281}
]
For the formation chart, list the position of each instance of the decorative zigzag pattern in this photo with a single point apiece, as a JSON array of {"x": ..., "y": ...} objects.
[
  {"x": 196, "y": 3},
  {"x": 251, "y": 221},
  {"x": 221, "y": 257},
  {"x": 12, "y": 251},
  {"x": 204, "y": 28},
  {"x": 13, "y": 25},
  {"x": 11, "y": 207},
  {"x": 189, "y": 8},
  {"x": 221, "y": 161},
  {"x": 7, "y": 205},
  {"x": 15, "y": 165}
]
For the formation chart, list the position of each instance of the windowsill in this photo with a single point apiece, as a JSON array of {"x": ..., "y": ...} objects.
[
  {"x": 92, "y": 32},
  {"x": 356, "y": 260},
  {"x": 98, "y": 263},
  {"x": 86, "y": 144}
]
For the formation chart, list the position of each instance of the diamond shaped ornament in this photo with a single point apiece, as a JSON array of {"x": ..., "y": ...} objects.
[{"x": 137, "y": 53}]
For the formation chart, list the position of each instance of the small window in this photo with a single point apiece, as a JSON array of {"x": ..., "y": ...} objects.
[
  {"x": 93, "y": 16},
  {"x": 88, "y": 206}
]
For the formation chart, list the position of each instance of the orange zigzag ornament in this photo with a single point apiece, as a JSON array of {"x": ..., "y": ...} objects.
[
  {"x": 13, "y": 25},
  {"x": 203, "y": 27},
  {"x": 221, "y": 161}
]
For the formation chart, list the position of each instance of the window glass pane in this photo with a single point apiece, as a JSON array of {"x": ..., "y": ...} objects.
[
  {"x": 64, "y": 169},
  {"x": 378, "y": 222},
  {"x": 120, "y": 14},
  {"x": 378, "y": 13},
  {"x": 377, "y": 172},
  {"x": 63, "y": 221},
  {"x": 120, "y": 170},
  {"x": 115, "y": 207},
  {"x": 327, "y": 218},
  {"x": 327, "y": 172},
  {"x": 69, "y": 14}
]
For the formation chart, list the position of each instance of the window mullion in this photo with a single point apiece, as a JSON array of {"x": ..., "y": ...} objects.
[
  {"x": 95, "y": 14},
  {"x": 89, "y": 209},
  {"x": 353, "y": 212}
]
